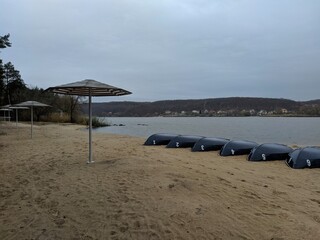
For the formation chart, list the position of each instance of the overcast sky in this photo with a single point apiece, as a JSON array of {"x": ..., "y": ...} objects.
[{"x": 168, "y": 49}]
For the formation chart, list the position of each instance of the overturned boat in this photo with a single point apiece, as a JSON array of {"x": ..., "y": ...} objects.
[
  {"x": 183, "y": 141},
  {"x": 238, "y": 147},
  {"x": 160, "y": 139},
  {"x": 307, "y": 157},
  {"x": 209, "y": 144},
  {"x": 269, "y": 151}
]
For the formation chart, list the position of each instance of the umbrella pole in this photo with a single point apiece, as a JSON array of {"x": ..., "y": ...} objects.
[
  {"x": 31, "y": 120},
  {"x": 90, "y": 129},
  {"x": 16, "y": 117}
]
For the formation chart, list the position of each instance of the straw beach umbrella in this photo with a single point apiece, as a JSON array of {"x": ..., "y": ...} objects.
[
  {"x": 6, "y": 110},
  {"x": 90, "y": 88},
  {"x": 18, "y": 108},
  {"x": 9, "y": 106},
  {"x": 31, "y": 104}
]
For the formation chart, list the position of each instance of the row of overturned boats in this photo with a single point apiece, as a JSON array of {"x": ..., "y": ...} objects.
[{"x": 306, "y": 157}]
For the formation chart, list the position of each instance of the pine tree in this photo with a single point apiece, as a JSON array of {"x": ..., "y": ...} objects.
[{"x": 13, "y": 83}]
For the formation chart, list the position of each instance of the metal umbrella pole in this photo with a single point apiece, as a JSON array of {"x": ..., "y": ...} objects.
[
  {"x": 90, "y": 128},
  {"x": 31, "y": 120},
  {"x": 16, "y": 117}
]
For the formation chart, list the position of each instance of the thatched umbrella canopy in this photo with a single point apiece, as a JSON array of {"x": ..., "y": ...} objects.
[
  {"x": 90, "y": 88},
  {"x": 31, "y": 105}
]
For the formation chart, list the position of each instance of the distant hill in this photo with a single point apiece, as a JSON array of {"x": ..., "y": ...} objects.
[
  {"x": 317, "y": 102},
  {"x": 233, "y": 106}
]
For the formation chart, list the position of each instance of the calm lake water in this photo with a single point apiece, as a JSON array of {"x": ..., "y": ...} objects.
[{"x": 299, "y": 131}]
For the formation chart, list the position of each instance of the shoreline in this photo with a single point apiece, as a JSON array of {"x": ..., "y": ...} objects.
[{"x": 145, "y": 192}]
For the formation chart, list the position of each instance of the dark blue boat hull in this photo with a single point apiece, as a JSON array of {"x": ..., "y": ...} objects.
[
  {"x": 183, "y": 141},
  {"x": 240, "y": 147},
  {"x": 269, "y": 152},
  {"x": 160, "y": 139},
  {"x": 209, "y": 144}
]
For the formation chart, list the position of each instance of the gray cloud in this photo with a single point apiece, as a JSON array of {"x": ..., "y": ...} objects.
[{"x": 169, "y": 49}]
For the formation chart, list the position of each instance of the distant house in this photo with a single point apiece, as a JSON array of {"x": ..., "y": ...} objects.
[
  {"x": 221, "y": 112},
  {"x": 262, "y": 113},
  {"x": 271, "y": 112}
]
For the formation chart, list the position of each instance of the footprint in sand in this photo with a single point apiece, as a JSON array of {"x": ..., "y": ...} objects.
[
  {"x": 316, "y": 218},
  {"x": 315, "y": 200},
  {"x": 278, "y": 193},
  {"x": 223, "y": 180}
]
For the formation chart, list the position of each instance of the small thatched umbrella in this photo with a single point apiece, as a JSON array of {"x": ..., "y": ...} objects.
[
  {"x": 5, "y": 110},
  {"x": 31, "y": 104},
  {"x": 90, "y": 88},
  {"x": 9, "y": 106},
  {"x": 17, "y": 108}
]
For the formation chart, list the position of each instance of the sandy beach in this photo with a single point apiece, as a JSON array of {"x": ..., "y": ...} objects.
[{"x": 132, "y": 191}]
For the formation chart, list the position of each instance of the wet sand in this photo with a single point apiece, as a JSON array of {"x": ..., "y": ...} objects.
[{"x": 132, "y": 191}]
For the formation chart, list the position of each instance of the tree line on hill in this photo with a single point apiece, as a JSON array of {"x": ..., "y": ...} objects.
[{"x": 233, "y": 106}]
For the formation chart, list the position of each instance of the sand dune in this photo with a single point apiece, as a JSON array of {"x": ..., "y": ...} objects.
[{"x": 47, "y": 191}]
